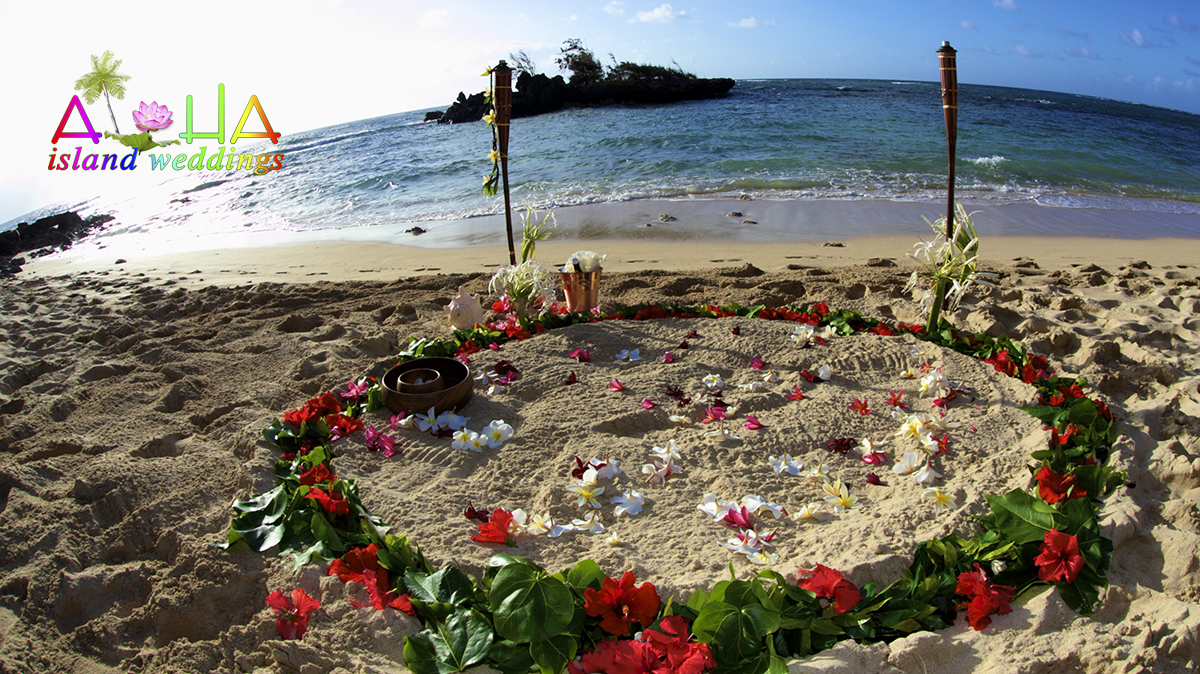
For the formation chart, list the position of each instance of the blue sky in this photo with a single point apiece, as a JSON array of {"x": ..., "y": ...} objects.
[{"x": 315, "y": 63}]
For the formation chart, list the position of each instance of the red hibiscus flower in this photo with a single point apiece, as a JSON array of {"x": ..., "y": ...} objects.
[
  {"x": 882, "y": 329},
  {"x": 324, "y": 405},
  {"x": 619, "y": 603},
  {"x": 984, "y": 597},
  {"x": 1059, "y": 557},
  {"x": 291, "y": 613},
  {"x": 498, "y": 529},
  {"x": 315, "y": 475},
  {"x": 1053, "y": 487},
  {"x": 332, "y": 501},
  {"x": 341, "y": 425},
  {"x": 830, "y": 584},
  {"x": 672, "y": 641}
]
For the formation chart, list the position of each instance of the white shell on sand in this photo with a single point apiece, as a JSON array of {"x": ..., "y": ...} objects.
[{"x": 464, "y": 311}]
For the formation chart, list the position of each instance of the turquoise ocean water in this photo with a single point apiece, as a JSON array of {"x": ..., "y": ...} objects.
[{"x": 772, "y": 139}]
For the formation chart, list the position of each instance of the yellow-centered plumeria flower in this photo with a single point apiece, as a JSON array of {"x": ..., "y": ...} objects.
[
  {"x": 494, "y": 156},
  {"x": 819, "y": 473},
  {"x": 807, "y": 513},
  {"x": 586, "y": 494},
  {"x": 614, "y": 540},
  {"x": 915, "y": 426},
  {"x": 490, "y": 118},
  {"x": 840, "y": 496},
  {"x": 941, "y": 500},
  {"x": 908, "y": 373}
]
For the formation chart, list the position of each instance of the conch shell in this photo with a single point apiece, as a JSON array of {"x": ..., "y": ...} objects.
[{"x": 464, "y": 311}]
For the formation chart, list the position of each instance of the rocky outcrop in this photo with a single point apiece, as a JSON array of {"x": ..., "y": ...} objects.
[
  {"x": 538, "y": 94},
  {"x": 47, "y": 235}
]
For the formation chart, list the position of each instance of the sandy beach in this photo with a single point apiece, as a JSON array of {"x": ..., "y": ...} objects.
[{"x": 132, "y": 396}]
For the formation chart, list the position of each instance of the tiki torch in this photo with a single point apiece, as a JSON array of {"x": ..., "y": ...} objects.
[
  {"x": 502, "y": 99},
  {"x": 950, "y": 110}
]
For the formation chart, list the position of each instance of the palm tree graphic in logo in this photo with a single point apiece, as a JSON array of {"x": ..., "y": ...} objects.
[{"x": 103, "y": 79}]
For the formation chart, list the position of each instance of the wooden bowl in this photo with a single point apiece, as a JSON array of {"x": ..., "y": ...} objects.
[
  {"x": 458, "y": 387},
  {"x": 421, "y": 380}
]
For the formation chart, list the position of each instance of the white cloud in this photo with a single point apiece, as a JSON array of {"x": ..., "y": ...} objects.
[
  {"x": 1022, "y": 50},
  {"x": 988, "y": 50},
  {"x": 661, "y": 14},
  {"x": 1084, "y": 52},
  {"x": 968, "y": 25},
  {"x": 573, "y": 17},
  {"x": 1005, "y": 4},
  {"x": 433, "y": 18},
  {"x": 1135, "y": 38},
  {"x": 615, "y": 8},
  {"x": 750, "y": 23}
]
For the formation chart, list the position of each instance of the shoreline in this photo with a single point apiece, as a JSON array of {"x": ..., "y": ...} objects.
[{"x": 375, "y": 261}]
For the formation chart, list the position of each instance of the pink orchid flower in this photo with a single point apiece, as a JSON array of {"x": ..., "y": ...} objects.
[
  {"x": 739, "y": 517},
  {"x": 874, "y": 458},
  {"x": 682, "y": 345},
  {"x": 737, "y": 330},
  {"x": 355, "y": 391}
]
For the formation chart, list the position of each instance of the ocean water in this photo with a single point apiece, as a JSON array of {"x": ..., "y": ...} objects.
[{"x": 771, "y": 139}]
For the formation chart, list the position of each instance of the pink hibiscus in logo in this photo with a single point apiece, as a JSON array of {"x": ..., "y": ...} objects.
[{"x": 151, "y": 117}]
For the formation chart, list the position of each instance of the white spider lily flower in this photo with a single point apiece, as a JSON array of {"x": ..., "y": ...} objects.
[
  {"x": 590, "y": 523},
  {"x": 941, "y": 500},
  {"x": 586, "y": 494},
  {"x": 786, "y": 464},
  {"x": 926, "y": 475},
  {"x": 629, "y": 503},
  {"x": 908, "y": 464},
  {"x": 840, "y": 497},
  {"x": 807, "y": 513}
]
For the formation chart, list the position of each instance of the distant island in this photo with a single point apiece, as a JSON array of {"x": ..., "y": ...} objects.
[{"x": 591, "y": 84}]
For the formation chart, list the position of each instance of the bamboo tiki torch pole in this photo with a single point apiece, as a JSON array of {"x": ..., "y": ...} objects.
[
  {"x": 950, "y": 111},
  {"x": 502, "y": 98},
  {"x": 946, "y": 60}
]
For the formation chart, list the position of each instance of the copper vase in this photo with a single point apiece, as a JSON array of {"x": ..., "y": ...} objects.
[{"x": 582, "y": 290}]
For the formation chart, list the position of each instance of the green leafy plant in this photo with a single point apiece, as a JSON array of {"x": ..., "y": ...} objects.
[{"x": 535, "y": 230}]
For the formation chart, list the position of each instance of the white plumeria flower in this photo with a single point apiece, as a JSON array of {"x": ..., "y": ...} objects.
[
  {"x": 870, "y": 446},
  {"x": 807, "y": 513},
  {"x": 668, "y": 453},
  {"x": 825, "y": 372},
  {"x": 590, "y": 478},
  {"x": 908, "y": 373},
  {"x": 941, "y": 500},
  {"x": 914, "y": 426},
  {"x": 610, "y": 470},
  {"x": 629, "y": 503},
  {"x": 720, "y": 435},
  {"x": 680, "y": 419},
  {"x": 770, "y": 377},
  {"x": 942, "y": 423},
  {"x": 496, "y": 388},
  {"x": 819, "y": 473},
  {"x": 544, "y": 525},
  {"x": 926, "y": 475},
  {"x": 754, "y": 503},
  {"x": 934, "y": 385},
  {"x": 614, "y": 540},
  {"x": 919, "y": 353},
  {"x": 586, "y": 494},
  {"x": 929, "y": 444},
  {"x": 497, "y": 433},
  {"x": 657, "y": 472},
  {"x": 803, "y": 334},
  {"x": 631, "y": 356},
  {"x": 786, "y": 464},
  {"x": 481, "y": 378},
  {"x": 743, "y": 543},
  {"x": 713, "y": 381},
  {"x": 463, "y": 439},
  {"x": 827, "y": 333},
  {"x": 427, "y": 421},
  {"x": 898, "y": 415},
  {"x": 715, "y": 508},
  {"x": 408, "y": 423},
  {"x": 908, "y": 464},
  {"x": 998, "y": 566},
  {"x": 449, "y": 419},
  {"x": 763, "y": 558},
  {"x": 840, "y": 497},
  {"x": 590, "y": 523},
  {"x": 752, "y": 386},
  {"x": 519, "y": 517}
]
